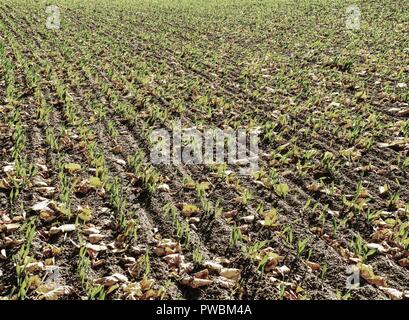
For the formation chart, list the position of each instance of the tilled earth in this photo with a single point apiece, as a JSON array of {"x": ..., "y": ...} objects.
[{"x": 85, "y": 214}]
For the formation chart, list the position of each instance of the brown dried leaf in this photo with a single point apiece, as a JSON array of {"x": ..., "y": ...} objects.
[
  {"x": 189, "y": 210},
  {"x": 174, "y": 259},
  {"x": 313, "y": 265},
  {"x": 51, "y": 292},
  {"x": 95, "y": 238},
  {"x": 196, "y": 282},
  {"x": 96, "y": 247},
  {"x": 394, "y": 294},
  {"x": 367, "y": 273},
  {"x": 167, "y": 246},
  {"x": 214, "y": 266}
]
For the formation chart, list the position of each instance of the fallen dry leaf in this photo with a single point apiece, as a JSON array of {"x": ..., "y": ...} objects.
[
  {"x": 367, "y": 273},
  {"x": 46, "y": 191},
  {"x": 225, "y": 283},
  {"x": 120, "y": 162},
  {"x": 230, "y": 214},
  {"x": 214, "y": 266},
  {"x": 3, "y": 254},
  {"x": 84, "y": 213},
  {"x": 203, "y": 274},
  {"x": 196, "y": 282},
  {"x": 95, "y": 238},
  {"x": 41, "y": 206},
  {"x": 47, "y": 215},
  {"x": 109, "y": 281},
  {"x": 283, "y": 270},
  {"x": 72, "y": 167},
  {"x": 174, "y": 259},
  {"x": 189, "y": 210},
  {"x": 51, "y": 292},
  {"x": 62, "y": 229},
  {"x": 377, "y": 246},
  {"x": 34, "y": 266},
  {"x": 392, "y": 293},
  {"x": 164, "y": 188},
  {"x": 312, "y": 265},
  {"x": 4, "y": 184},
  {"x": 248, "y": 219},
  {"x": 167, "y": 246},
  {"x": 10, "y": 227},
  {"x": 90, "y": 230},
  {"x": 96, "y": 247},
  {"x": 404, "y": 262},
  {"x": 231, "y": 273}
]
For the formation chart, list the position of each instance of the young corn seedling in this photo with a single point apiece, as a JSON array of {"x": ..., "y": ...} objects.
[
  {"x": 150, "y": 179},
  {"x": 394, "y": 199},
  {"x": 147, "y": 265},
  {"x": 402, "y": 235},
  {"x": 178, "y": 228},
  {"x": 186, "y": 236},
  {"x": 113, "y": 132},
  {"x": 65, "y": 191},
  {"x": 170, "y": 209},
  {"x": 130, "y": 227},
  {"x": 235, "y": 236},
  {"x": 19, "y": 139},
  {"x": 324, "y": 271},
  {"x": 327, "y": 161},
  {"x": 288, "y": 235},
  {"x": 252, "y": 250},
  {"x": 281, "y": 189},
  {"x": 341, "y": 296},
  {"x": 23, "y": 172},
  {"x": 201, "y": 191},
  {"x": 117, "y": 201},
  {"x": 405, "y": 163},
  {"x": 322, "y": 218},
  {"x": 52, "y": 140},
  {"x": 371, "y": 215},
  {"x": 301, "y": 246},
  {"x": 360, "y": 248},
  {"x": 260, "y": 208},
  {"x": 217, "y": 209},
  {"x": 245, "y": 197},
  {"x": 84, "y": 269},
  {"x": 281, "y": 291},
  {"x": 211, "y": 209},
  {"x": 100, "y": 112},
  {"x": 197, "y": 257},
  {"x": 22, "y": 259},
  {"x": 262, "y": 264}
]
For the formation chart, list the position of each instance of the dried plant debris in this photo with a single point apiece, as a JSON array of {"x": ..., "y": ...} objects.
[{"x": 319, "y": 210}]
